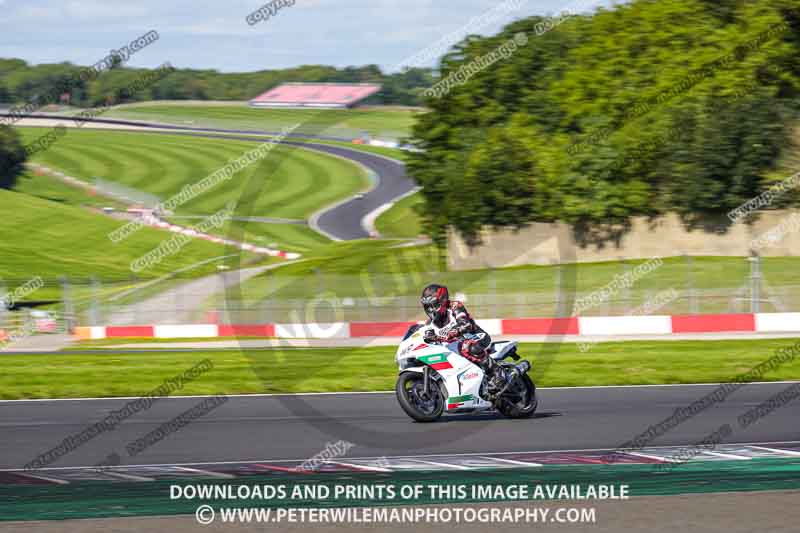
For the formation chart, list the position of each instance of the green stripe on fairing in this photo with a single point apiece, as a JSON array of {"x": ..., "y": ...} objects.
[
  {"x": 93, "y": 499},
  {"x": 459, "y": 399},
  {"x": 435, "y": 358}
]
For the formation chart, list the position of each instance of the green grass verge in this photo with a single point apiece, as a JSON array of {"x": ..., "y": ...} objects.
[
  {"x": 394, "y": 153},
  {"x": 360, "y": 269},
  {"x": 72, "y": 375},
  {"x": 378, "y": 122},
  {"x": 401, "y": 221},
  {"x": 49, "y": 239},
  {"x": 288, "y": 237},
  {"x": 53, "y": 189},
  {"x": 303, "y": 181}
]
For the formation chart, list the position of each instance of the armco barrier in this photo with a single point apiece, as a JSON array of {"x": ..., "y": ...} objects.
[{"x": 579, "y": 326}]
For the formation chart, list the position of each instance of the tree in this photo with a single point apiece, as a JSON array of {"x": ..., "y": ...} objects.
[
  {"x": 12, "y": 157},
  {"x": 632, "y": 111}
]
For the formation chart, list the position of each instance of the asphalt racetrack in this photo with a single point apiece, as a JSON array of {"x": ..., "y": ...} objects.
[{"x": 296, "y": 427}]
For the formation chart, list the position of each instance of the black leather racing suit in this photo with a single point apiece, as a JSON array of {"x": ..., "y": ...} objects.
[{"x": 461, "y": 323}]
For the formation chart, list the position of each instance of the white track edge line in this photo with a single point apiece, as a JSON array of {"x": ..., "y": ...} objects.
[
  {"x": 348, "y": 393},
  {"x": 466, "y": 454}
]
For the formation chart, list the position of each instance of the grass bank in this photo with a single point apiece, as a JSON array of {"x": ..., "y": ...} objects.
[{"x": 74, "y": 375}]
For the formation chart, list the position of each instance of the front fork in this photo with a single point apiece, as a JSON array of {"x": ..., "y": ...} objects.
[{"x": 426, "y": 382}]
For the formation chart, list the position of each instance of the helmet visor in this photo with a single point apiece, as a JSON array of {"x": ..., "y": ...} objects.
[{"x": 431, "y": 305}]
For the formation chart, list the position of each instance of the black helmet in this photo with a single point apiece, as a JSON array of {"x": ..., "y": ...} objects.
[{"x": 435, "y": 300}]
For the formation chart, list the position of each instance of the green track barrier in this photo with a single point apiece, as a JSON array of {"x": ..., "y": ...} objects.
[{"x": 95, "y": 499}]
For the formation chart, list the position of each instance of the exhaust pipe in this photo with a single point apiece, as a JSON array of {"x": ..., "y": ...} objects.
[
  {"x": 522, "y": 368},
  {"x": 518, "y": 370}
]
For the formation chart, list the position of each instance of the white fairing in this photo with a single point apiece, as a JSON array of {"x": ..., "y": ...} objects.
[
  {"x": 462, "y": 378},
  {"x": 500, "y": 349}
]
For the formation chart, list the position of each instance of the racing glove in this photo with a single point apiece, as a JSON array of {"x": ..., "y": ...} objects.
[{"x": 430, "y": 336}]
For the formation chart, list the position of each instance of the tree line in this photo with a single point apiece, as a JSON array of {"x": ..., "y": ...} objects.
[
  {"x": 648, "y": 107},
  {"x": 45, "y": 84}
]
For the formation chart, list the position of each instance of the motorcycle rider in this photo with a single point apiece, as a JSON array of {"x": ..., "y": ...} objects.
[{"x": 451, "y": 321}]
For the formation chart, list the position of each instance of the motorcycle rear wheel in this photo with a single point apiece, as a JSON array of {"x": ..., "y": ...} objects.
[
  {"x": 409, "y": 390},
  {"x": 525, "y": 390}
]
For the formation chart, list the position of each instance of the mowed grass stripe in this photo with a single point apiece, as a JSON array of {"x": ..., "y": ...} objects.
[
  {"x": 289, "y": 237},
  {"x": 193, "y": 166},
  {"x": 297, "y": 181},
  {"x": 151, "y": 172},
  {"x": 188, "y": 171},
  {"x": 300, "y": 183},
  {"x": 319, "y": 180},
  {"x": 50, "y": 239},
  {"x": 99, "y": 162},
  {"x": 63, "y": 159}
]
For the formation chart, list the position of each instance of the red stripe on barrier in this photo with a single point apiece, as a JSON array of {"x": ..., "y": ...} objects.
[
  {"x": 379, "y": 329},
  {"x": 130, "y": 331},
  {"x": 713, "y": 323},
  {"x": 540, "y": 326},
  {"x": 246, "y": 330}
]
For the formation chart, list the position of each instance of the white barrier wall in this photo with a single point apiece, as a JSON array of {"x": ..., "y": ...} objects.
[
  {"x": 776, "y": 322},
  {"x": 625, "y": 325}
]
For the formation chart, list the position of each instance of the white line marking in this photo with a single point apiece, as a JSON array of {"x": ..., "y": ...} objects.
[
  {"x": 383, "y": 457},
  {"x": 654, "y": 457},
  {"x": 123, "y": 475},
  {"x": 44, "y": 478},
  {"x": 360, "y": 467},
  {"x": 206, "y": 472},
  {"x": 663, "y": 385},
  {"x": 512, "y": 461},
  {"x": 353, "y": 393},
  {"x": 775, "y": 450},
  {"x": 729, "y": 456},
  {"x": 197, "y": 396},
  {"x": 368, "y": 220},
  {"x": 445, "y": 465}
]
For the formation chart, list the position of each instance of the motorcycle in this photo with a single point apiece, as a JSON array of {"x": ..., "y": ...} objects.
[{"x": 435, "y": 378}]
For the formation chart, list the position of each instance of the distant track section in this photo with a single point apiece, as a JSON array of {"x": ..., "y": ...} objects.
[{"x": 342, "y": 221}]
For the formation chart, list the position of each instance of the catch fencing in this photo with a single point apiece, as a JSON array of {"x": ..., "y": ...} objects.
[{"x": 672, "y": 289}]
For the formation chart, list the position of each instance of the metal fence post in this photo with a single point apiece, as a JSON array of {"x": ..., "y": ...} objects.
[
  {"x": 269, "y": 297},
  {"x": 493, "y": 292},
  {"x": 560, "y": 310},
  {"x": 94, "y": 318},
  {"x": 755, "y": 283},
  {"x": 67, "y": 306},
  {"x": 627, "y": 295},
  {"x": 4, "y": 312},
  {"x": 694, "y": 307}
]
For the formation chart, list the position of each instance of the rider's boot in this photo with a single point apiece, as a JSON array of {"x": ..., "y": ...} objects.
[{"x": 496, "y": 377}]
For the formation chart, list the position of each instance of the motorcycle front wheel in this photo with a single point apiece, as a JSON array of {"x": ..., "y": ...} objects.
[{"x": 412, "y": 398}]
